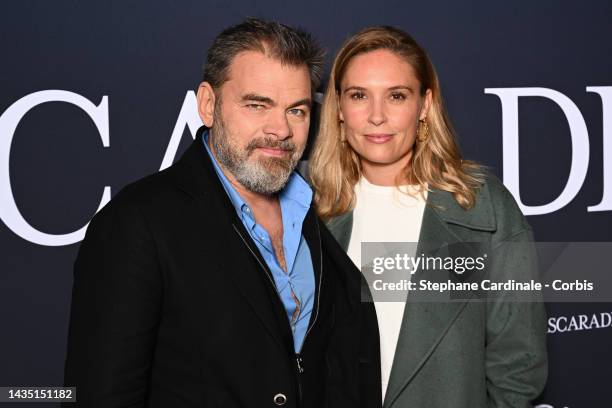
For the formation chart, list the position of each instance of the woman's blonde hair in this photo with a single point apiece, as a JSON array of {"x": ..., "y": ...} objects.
[{"x": 334, "y": 167}]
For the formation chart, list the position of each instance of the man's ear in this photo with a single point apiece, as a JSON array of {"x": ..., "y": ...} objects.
[{"x": 206, "y": 103}]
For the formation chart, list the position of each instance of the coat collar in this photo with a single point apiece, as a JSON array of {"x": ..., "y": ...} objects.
[
  {"x": 480, "y": 217},
  {"x": 441, "y": 210},
  {"x": 194, "y": 173}
]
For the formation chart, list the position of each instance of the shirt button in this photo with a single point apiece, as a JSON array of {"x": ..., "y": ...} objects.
[{"x": 280, "y": 399}]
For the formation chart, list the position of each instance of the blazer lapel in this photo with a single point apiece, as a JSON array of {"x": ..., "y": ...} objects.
[{"x": 196, "y": 176}]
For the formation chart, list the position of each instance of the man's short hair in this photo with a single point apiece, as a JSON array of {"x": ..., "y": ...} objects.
[{"x": 288, "y": 45}]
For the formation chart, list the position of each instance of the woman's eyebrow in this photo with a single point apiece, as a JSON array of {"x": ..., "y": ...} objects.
[
  {"x": 406, "y": 87},
  {"x": 354, "y": 88},
  {"x": 393, "y": 88}
]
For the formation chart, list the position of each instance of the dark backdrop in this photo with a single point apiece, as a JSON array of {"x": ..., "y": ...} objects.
[{"x": 144, "y": 57}]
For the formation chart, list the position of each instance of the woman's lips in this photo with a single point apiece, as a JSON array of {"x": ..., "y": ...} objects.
[{"x": 379, "y": 137}]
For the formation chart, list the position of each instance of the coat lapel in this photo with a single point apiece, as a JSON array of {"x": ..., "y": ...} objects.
[
  {"x": 427, "y": 321},
  {"x": 196, "y": 176},
  {"x": 312, "y": 235}
]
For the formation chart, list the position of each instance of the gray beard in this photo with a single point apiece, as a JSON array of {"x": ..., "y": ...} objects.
[{"x": 264, "y": 176}]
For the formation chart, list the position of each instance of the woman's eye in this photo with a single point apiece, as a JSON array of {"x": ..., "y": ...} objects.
[
  {"x": 398, "y": 96},
  {"x": 357, "y": 95}
]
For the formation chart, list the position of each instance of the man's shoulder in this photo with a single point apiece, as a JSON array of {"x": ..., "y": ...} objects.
[
  {"x": 150, "y": 188},
  {"x": 157, "y": 190}
]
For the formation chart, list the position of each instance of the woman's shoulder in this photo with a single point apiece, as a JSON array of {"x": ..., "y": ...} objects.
[
  {"x": 494, "y": 208},
  {"x": 339, "y": 221},
  {"x": 493, "y": 194}
]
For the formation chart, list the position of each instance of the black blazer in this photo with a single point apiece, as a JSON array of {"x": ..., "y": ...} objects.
[{"x": 173, "y": 306}]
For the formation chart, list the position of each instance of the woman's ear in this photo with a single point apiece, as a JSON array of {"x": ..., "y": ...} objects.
[
  {"x": 206, "y": 103},
  {"x": 426, "y": 105},
  {"x": 340, "y": 115}
]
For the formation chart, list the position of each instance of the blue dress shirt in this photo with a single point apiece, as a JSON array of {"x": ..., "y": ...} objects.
[{"x": 295, "y": 199}]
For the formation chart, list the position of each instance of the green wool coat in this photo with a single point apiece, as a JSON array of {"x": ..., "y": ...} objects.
[{"x": 470, "y": 353}]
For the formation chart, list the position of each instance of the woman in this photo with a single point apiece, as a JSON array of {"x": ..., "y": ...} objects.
[{"x": 386, "y": 168}]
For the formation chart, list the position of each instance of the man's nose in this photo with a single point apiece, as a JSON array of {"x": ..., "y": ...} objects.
[
  {"x": 377, "y": 114},
  {"x": 277, "y": 124}
]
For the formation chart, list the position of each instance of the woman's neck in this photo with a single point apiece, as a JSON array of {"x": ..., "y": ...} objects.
[{"x": 388, "y": 174}]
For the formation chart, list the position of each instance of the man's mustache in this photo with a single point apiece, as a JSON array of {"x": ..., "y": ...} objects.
[{"x": 286, "y": 145}]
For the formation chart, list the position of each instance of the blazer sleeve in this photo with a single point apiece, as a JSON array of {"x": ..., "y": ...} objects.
[
  {"x": 115, "y": 309},
  {"x": 516, "y": 358}
]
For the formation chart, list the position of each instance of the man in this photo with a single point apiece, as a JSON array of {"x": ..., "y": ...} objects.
[{"x": 212, "y": 283}]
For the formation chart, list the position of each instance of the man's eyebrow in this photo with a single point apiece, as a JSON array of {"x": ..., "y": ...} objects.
[
  {"x": 258, "y": 98},
  {"x": 305, "y": 101}
]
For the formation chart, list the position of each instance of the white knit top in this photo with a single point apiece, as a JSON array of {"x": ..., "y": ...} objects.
[{"x": 385, "y": 214}]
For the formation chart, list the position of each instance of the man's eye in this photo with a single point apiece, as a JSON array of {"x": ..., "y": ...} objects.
[
  {"x": 398, "y": 96},
  {"x": 255, "y": 106},
  {"x": 297, "y": 112},
  {"x": 357, "y": 95}
]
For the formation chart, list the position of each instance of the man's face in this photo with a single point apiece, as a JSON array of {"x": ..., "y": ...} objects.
[{"x": 261, "y": 119}]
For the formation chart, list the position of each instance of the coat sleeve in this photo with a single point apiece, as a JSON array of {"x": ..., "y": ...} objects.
[
  {"x": 115, "y": 309},
  {"x": 516, "y": 359}
]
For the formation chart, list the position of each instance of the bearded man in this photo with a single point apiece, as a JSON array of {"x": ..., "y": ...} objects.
[{"x": 213, "y": 283}]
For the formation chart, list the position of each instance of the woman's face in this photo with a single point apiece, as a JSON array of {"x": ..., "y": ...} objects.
[{"x": 380, "y": 105}]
